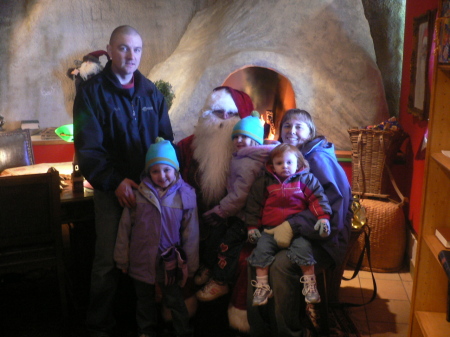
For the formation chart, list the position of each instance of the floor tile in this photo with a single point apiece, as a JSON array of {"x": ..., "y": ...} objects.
[
  {"x": 379, "y": 329},
  {"x": 362, "y": 326},
  {"x": 388, "y": 311},
  {"x": 386, "y": 289},
  {"x": 380, "y": 276},
  {"x": 348, "y": 273},
  {"x": 405, "y": 276},
  {"x": 408, "y": 287},
  {"x": 359, "y": 318},
  {"x": 350, "y": 292},
  {"x": 388, "y": 314},
  {"x": 350, "y": 283}
]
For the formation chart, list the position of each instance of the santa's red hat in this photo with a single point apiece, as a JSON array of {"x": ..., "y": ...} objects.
[
  {"x": 95, "y": 56},
  {"x": 241, "y": 99}
]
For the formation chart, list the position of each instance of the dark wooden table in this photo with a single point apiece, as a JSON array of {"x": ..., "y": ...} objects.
[
  {"x": 76, "y": 206},
  {"x": 77, "y": 212}
]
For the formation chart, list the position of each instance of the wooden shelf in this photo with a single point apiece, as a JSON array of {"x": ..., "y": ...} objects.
[
  {"x": 445, "y": 68},
  {"x": 429, "y": 303},
  {"x": 442, "y": 160},
  {"x": 433, "y": 324},
  {"x": 434, "y": 244}
]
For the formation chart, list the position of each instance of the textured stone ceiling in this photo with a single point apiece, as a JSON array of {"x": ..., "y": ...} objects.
[{"x": 324, "y": 48}]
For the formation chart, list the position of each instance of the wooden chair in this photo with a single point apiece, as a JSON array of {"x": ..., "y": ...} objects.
[
  {"x": 15, "y": 149},
  {"x": 30, "y": 228}
]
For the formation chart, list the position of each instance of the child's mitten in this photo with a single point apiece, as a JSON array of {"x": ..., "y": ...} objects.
[
  {"x": 170, "y": 266},
  {"x": 182, "y": 270},
  {"x": 323, "y": 226},
  {"x": 254, "y": 235}
]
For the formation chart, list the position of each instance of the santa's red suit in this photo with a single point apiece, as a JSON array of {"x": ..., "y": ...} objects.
[{"x": 205, "y": 158}]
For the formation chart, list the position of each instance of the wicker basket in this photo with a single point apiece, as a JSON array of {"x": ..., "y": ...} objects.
[
  {"x": 372, "y": 151},
  {"x": 387, "y": 239}
]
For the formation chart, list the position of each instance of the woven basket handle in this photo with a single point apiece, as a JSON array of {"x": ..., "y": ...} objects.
[
  {"x": 403, "y": 199},
  {"x": 359, "y": 144}
]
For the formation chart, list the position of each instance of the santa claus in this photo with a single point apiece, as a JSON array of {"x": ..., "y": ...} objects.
[
  {"x": 205, "y": 158},
  {"x": 206, "y": 154}
]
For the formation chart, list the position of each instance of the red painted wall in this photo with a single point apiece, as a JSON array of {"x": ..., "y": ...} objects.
[{"x": 414, "y": 127}]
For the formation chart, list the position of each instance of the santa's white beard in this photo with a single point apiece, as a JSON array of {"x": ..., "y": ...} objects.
[
  {"x": 88, "y": 69},
  {"x": 213, "y": 150}
]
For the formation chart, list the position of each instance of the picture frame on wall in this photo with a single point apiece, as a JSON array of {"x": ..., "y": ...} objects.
[
  {"x": 444, "y": 40},
  {"x": 419, "y": 92},
  {"x": 445, "y": 9}
]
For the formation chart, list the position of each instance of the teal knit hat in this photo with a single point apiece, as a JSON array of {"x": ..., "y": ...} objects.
[
  {"x": 250, "y": 126},
  {"x": 161, "y": 152}
]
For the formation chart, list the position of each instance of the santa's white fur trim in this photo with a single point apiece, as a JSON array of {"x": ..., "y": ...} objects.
[
  {"x": 89, "y": 68},
  {"x": 191, "y": 305},
  {"x": 213, "y": 150},
  {"x": 237, "y": 319},
  {"x": 219, "y": 100}
]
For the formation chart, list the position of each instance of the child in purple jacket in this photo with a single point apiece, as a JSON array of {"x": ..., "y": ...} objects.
[{"x": 158, "y": 240}]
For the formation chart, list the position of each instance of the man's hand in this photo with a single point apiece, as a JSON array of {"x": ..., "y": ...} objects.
[
  {"x": 282, "y": 234},
  {"x": 323, "y": 226},
  {"x": 124, "y": 193},
  {"x": 253, "y": 235}
]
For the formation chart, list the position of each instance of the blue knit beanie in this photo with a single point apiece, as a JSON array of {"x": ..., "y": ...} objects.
[
  {"x": 250, "y": 126},
  {"x": 161, "y": 152}
]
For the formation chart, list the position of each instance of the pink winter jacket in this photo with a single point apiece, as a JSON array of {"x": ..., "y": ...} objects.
[{"x": 271, "y": 201}]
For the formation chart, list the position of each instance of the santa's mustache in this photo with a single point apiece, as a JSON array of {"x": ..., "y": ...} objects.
[{"x": 210, "y": 122}]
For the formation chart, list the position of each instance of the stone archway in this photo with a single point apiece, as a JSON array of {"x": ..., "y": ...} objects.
[{"x": 272, "y": 93}]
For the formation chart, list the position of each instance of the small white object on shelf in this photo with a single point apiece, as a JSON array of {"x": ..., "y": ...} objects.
[
  {"x": 446, "y": 153},
  {"x": 443, "y": 234},
  {"x": 30, "y": 124}
]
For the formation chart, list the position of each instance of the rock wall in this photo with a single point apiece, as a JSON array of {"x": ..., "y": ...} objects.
[
  {"x": 323, "y": 47},
  {"x": 42, "y": 38}
]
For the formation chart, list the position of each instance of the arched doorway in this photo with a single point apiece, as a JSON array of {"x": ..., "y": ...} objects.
[{"x": 271, "y": 93}]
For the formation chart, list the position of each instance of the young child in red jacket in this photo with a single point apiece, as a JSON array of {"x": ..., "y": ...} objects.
[{"x": 286, "y": 188}]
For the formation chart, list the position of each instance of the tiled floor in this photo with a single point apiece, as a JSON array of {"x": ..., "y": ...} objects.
[{"x": 388, "y": 314}]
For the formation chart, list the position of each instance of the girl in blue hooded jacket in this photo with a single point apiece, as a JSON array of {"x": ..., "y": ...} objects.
[{"x": 228, "y": 232}]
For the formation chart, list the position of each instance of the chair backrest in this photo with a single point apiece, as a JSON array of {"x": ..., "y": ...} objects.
[
  {"x": 30, "y": 210},
  {"x": 15, "y": 149}
]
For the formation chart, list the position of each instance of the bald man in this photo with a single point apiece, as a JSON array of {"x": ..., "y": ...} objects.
[{"x": 117, "y": 115}]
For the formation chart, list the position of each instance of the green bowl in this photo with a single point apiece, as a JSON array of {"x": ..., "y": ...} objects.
[{"x": 65, "y": 132}]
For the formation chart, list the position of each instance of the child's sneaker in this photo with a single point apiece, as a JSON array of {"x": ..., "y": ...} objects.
[
  {"x": 261, "y": 294},
  {"x": 310, "y": 289},
  {"x": 211, "y": 291},
  {"x": 202, "y": 276}
]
